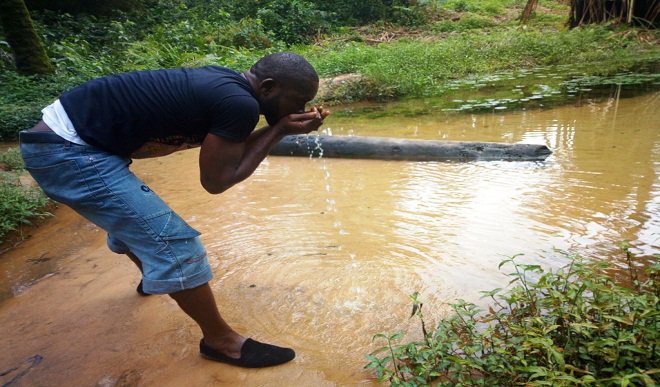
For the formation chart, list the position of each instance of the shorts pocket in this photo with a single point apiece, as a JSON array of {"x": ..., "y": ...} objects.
[
  {"x": 179, "y": 238},
  {"x": 61, "y": 182},
  {"x": 168, "y": 226}
]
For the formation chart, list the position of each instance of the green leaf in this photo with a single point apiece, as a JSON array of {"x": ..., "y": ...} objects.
[
  {"x": 490, "y": 293},
  {"x": 396, "y": 336},
  {"x": 622, "y": 319},
  {"x": 379, "y": 336}
]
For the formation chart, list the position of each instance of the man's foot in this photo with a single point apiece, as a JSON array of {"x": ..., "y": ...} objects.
[
  {"x": 253, "y": 354},
  {"x": 141, "y": 291}
]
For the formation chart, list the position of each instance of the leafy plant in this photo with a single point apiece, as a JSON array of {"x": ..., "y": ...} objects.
[
  {"x": 292, "y": 21},
  {"x": 19, "y": 204},
  {"x": 23, "y": 97},
  {"x": 401, "y": 12},
  {"x": 575, "y": 326},
  {"x": 491, "y": 7},
  {"x": 468, "y": 22},
  {"x": 11, "y": 160}
]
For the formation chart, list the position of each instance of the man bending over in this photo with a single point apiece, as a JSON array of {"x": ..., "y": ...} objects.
[{"x": 80, "y": 151}]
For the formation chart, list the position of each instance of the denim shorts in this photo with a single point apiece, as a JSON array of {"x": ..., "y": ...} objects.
[{"x": 99, "y": 186}]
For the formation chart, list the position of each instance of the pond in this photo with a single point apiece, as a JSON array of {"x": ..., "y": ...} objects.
[{"x": 321, "y": 254}]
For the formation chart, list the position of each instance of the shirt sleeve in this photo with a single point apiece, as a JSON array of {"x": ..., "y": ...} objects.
[{"x": 235, "y": 117}]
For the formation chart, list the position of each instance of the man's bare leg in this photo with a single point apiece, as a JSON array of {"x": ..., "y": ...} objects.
[
  {"x": 199, "y": 304},
  {"x": 135, "y": 260},
  {"x": 137, "y": 263}
]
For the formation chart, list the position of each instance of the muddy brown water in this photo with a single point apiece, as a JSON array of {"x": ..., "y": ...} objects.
[{"x": 321, "y": 254}]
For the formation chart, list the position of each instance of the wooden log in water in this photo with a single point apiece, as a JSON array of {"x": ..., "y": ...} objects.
[{"x": 382, "y": 148}]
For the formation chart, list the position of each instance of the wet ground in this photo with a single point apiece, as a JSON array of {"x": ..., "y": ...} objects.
[{"x": 321, "y": 254}]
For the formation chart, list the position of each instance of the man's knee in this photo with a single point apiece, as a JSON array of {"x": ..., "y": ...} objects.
[{"x": 117, "y": 246}]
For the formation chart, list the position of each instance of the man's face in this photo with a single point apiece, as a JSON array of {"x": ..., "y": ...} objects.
[{"x": 283, "y": 102}]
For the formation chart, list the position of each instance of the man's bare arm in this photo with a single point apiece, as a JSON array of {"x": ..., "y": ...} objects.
[{"x": 224, "y": 163}]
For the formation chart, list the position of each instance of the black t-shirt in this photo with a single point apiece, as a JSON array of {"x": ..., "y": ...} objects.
[{"x": 119, "y": 113}]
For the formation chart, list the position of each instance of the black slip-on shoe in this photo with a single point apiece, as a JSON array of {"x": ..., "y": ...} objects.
[{"x": 253, "y": 355}]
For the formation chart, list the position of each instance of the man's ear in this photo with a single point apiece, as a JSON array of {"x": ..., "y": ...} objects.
[{"x": 267, "y": 86}]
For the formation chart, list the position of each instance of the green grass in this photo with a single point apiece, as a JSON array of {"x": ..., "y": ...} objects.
[
  {"x": 488, "y": 7},
  {"x": 465, "y": 23}
]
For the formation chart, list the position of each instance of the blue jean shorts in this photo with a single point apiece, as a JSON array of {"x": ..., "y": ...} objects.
[{"x": 99, "y": 186}]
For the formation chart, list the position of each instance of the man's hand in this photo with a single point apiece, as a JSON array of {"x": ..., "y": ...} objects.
[
  {"x": 224, "y": 163},
  {"x": 302, "y": 123}
]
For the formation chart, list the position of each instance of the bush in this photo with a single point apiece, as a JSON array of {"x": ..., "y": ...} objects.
[
  {"x": 403, "y": 12},
  {"x": 11, "y": 160},
  {"x": 23, "y": 97},
  {"x": 18, "y": 204},
  {"x": 569, "y": 327},
  {"x": 310, "y": 16},
  {"x": 468, "y": 22},
  {"x": 292, "y": 21},
  {"x": 490, "y": 7}
]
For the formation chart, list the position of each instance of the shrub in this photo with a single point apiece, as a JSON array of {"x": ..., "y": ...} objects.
[
  {"x": 292, "y": 21},
  {"x": 403, "y": 12},
  {"x": 23, "y": 97},
  {"x": 490, "y": 7},
  {"x": 333, "y": 13},
  {"x": 18, "y": 204},
  {"x": 570, "y": 327},
  {"x": 11, "y": 160},
  {"x": 468, "y": 22},
  {"x": 249, "y": 33}
]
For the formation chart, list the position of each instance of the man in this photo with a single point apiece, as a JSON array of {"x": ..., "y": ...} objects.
[{"x": 80, "y": 152}]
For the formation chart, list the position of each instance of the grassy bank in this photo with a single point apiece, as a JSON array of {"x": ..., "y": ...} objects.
[{"x": 415, "y": 68}]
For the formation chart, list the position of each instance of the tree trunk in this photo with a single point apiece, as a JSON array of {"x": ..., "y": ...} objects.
[
  {"x": 29, "y": 53},
  {"x": 383, "y": 148},
  {"x": 644, "y": 13},
  {"x": 529, "y": 8}
]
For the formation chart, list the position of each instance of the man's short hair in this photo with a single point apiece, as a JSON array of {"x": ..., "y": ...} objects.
[{"x": 286, "y": 67}]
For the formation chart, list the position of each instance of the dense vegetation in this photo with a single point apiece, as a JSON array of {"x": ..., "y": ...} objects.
[{"x": 575, "y": 326}]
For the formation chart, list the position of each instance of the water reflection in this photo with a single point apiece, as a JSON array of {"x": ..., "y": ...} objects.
[{"x": 594, "y": 187}]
